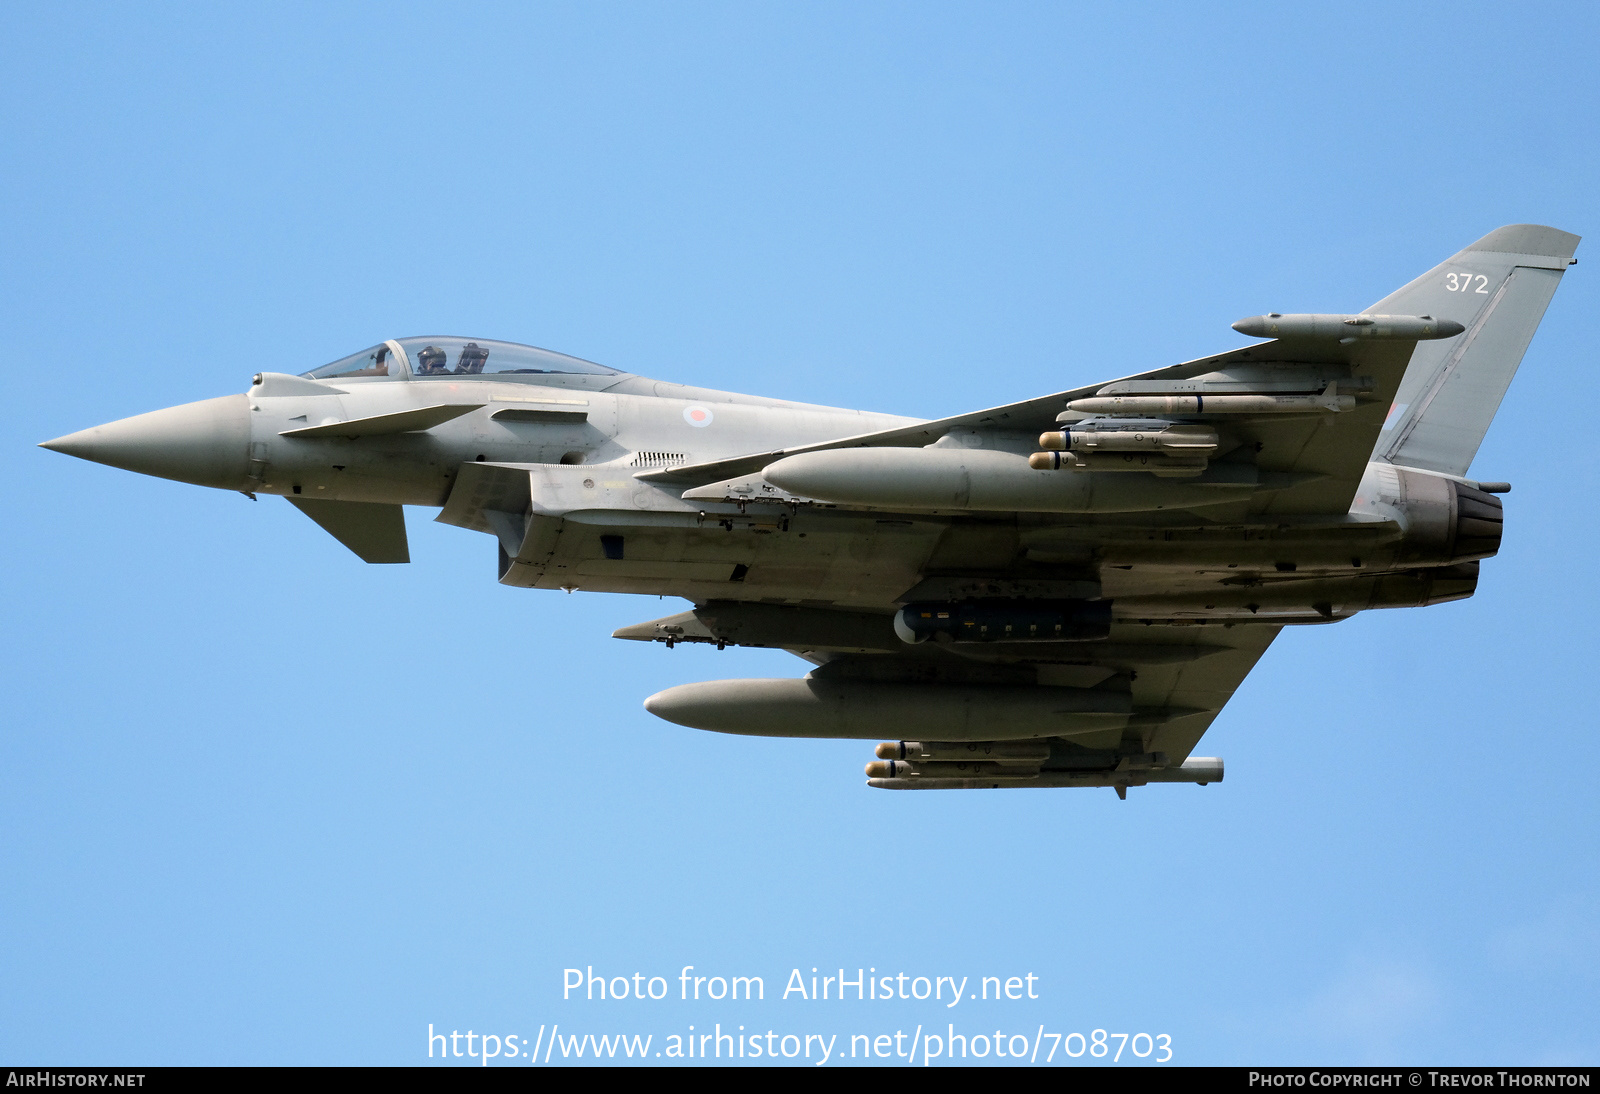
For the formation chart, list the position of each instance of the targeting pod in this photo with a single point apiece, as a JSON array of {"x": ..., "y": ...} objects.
[{"x": 1349, "y": 328}]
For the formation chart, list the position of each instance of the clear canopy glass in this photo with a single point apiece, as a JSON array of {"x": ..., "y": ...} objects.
[
  {"x": 379, "y": 361},
  {"x": 433, "y": 358},
  {"x": 456, "y": 357}
]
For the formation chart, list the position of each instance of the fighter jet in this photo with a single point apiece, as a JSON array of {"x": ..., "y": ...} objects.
[{"x": 1060, "y": 592}]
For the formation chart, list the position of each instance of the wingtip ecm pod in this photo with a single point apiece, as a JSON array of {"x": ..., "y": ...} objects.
[{"x": 1349, "y": 328}]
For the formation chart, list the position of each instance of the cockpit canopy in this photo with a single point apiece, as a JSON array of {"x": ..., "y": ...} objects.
[{"x": 441, "y": 357}]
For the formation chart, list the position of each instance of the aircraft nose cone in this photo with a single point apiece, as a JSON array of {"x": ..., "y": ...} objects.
[{"x": 206, "y": 443}]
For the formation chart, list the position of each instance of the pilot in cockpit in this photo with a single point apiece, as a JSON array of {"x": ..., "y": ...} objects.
[
  {"x": 473, "y": 357},
  {"x": 433, "y": 361}
]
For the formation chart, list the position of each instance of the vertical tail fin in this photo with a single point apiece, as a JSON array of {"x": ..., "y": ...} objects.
[{"x": 1498, "y": 288}]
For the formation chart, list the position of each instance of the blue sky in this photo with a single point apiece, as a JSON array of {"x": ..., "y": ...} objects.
[{"x": 260, "y": 803}]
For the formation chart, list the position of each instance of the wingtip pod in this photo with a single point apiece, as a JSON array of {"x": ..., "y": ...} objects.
[{"x": 1349, "y": 328}]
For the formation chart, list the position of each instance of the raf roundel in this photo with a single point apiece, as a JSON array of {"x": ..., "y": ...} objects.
[{"x": 697, "y": 416}]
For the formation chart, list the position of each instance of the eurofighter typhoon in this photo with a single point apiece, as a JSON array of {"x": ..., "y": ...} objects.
[{"x": 1060, "y": 592}]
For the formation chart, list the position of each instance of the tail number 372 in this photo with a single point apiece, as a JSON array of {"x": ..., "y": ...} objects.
[{"x": 1463, "y": 282}]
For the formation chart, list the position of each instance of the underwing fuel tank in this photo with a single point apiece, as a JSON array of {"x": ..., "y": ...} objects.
[
  {"x": 983, "y": 480},
  {"x": 823, "y": 707},
  {"x": 998, "y": 620}
]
